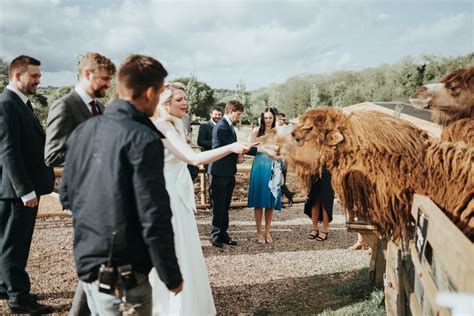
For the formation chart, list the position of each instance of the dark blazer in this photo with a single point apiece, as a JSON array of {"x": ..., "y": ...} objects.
[
  {"x": 205, "y": 135},
  {"x": 63, "y": 117},
  {"x": 224, "y": 134},
  {"x": 113, "y": 181},
  {"x": 22, "y": 139}
]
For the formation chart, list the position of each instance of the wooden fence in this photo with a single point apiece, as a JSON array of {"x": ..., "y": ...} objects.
[
  {"x": 440, "y": 260},
  {"x": 202, "y": 203}
]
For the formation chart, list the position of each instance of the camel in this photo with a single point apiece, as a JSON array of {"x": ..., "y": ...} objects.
[
  {"x": 378, "y": 162},
  {"x": 451, "y": 102}
]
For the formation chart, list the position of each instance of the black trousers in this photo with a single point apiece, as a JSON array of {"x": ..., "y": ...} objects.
[
  {"x": 221, "y": 189},
  {"x": 17, "y": 223}
]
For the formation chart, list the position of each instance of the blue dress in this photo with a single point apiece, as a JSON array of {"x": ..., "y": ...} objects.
[{"x": 265, "y": 170}]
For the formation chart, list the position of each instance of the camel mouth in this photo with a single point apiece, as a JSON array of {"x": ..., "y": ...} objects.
[{"x": 423, "y": 104}]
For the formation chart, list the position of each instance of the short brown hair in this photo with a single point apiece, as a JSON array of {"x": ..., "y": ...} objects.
[
  {"x": 21, "y": 63},
  {"x": 233, "y": 106},
  {"x": 96, "y": 62},
  {"x": 138, "y": 73}
]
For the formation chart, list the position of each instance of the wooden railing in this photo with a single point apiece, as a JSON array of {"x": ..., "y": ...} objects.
[{"x": 203, "y": 202}]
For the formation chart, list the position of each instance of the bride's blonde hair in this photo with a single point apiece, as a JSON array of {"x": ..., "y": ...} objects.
[{"x": 165, "y": 98}]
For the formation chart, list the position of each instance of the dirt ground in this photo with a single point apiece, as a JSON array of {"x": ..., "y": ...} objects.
[{"x": 291, "y": 276}]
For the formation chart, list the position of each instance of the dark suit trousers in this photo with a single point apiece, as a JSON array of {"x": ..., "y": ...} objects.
[
  {"x": 221, "y": 189},
  {"x": 17, "y": 223}
]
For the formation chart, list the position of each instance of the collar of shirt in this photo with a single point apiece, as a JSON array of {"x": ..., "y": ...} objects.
[
  {"x": 84, "y": 96},
  {"x": 213, "y": 123},
  {"x": 228, "y": 119},
  {"x": 23, "y": 97}
]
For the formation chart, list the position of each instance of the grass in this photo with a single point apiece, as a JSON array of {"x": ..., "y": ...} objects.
[{"x": 342, "y": 293}]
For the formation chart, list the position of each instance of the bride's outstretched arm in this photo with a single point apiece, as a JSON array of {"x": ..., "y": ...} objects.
[{"x": 176, "y": 145}]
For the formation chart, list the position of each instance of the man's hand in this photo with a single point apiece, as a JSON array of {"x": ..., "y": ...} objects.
[
  {"x": 178, "y": 289},
  {"x": 31, "y": 203}
]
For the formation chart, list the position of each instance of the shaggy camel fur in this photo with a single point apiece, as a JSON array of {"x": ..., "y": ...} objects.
[
  {"x": 378, "y": 162},
  {"x": 451, "y": 102}
]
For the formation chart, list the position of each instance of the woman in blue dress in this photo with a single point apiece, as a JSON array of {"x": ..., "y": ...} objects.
[{"x": 265, "y": 179}]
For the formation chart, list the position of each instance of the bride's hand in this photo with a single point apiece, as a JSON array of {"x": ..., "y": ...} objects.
[{"x": 241, "y": 148}]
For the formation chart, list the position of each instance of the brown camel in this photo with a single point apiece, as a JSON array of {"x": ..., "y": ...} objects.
[
  {"x": 378, "y": 162},
  {"x": 451, "y": 102}
]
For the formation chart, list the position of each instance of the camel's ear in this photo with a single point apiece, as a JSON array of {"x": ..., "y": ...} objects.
[{"x": 333, "y": 138}]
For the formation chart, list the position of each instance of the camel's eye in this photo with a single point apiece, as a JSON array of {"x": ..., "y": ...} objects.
[{"x": 453, "y": 88}]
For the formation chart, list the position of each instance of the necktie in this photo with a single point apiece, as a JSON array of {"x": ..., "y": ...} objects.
[
  {"x": 95, "y": 110},
  {"x": 28, "y": 104}
]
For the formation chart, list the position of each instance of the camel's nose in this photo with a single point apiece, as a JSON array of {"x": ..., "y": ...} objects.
[{"x": 294, "y": 136}]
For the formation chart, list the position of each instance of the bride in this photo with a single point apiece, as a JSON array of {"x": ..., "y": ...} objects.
[{"x": 196, "y": 297}]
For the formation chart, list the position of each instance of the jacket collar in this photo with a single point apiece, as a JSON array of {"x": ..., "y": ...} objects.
[{"x": 120, "y": 109}]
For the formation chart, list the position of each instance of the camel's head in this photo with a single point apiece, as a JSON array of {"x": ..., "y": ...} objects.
[
  {"x": 317, "y": 136},
  {"x": 312, "y": 144},
  {"x": 449, "y": 100}
]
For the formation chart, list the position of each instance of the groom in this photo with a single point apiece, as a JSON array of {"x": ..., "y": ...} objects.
[{"x": 222, "y": 174}]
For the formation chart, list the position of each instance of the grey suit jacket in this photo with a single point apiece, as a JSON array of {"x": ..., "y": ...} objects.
[{"x": 64, "y": 116}]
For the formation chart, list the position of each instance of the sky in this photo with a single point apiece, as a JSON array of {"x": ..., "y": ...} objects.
[{"x": 223, "y": 42}]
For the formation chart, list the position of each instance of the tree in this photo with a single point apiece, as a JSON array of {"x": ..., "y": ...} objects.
[
  {"x": 3, "y": 74},
  {"x": 243, "y": 96},
  {"x": 199, "y": 96}
]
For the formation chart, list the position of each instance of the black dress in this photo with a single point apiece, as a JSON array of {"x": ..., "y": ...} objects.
[{"x": 322, "y": 190}]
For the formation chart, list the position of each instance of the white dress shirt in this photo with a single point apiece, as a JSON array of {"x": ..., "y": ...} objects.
[{"x": 84, "y": 96}]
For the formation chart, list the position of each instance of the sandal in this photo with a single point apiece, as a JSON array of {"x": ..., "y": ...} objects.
[
  {"x": 313, "y": 234},
  {"x": 319, "y": 238}
]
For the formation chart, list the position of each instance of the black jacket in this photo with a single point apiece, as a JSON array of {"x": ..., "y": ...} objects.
[
  {"x": 205, "y": 135},
  {"x": 22, "y": 138},
  {"x": 113, "y": 182}
]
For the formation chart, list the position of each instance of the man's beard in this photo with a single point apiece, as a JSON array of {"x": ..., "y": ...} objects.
[
  {"x": 100, "y": 93},
  {"x": 216, "y": 119}
]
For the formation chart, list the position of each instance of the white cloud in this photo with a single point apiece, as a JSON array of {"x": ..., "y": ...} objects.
[{"x": 225, "y": 41}]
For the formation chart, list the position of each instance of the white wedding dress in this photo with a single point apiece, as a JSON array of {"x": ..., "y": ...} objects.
[{"x": 196, "y": 296}]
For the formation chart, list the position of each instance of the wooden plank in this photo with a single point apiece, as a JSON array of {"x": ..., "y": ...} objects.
[
  {"x": 415, "y": 308},
  {"x": 423, "y": 270},
  {"x": 393, "y": 300},
  {"x": 453, "y": 249}
]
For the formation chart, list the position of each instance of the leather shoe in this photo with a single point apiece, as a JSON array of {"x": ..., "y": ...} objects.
[
  {"x": 4, "y": 296},
  {"x": 230, "y": 242},
  {"x": 217, "y": 243},
  {"x": 30, "y": 308}
]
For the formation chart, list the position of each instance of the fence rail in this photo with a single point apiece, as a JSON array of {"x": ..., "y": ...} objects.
[{"x": 203, "y": 192}]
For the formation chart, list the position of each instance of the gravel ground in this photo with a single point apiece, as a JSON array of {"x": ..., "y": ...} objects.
[{"x": 246, "y": 279}]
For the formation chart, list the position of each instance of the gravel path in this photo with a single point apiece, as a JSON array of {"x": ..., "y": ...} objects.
[{"x": 244, "y": 279}]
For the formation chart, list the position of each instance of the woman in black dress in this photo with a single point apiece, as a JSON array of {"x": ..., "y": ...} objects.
[{"x": 318, "y": 206}]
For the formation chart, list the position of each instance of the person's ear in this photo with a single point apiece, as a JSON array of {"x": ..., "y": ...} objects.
[
  {"x": 17, "y": 75},
  {"x": 150, "y": 93},
  {"x": 87, "y": 74}
]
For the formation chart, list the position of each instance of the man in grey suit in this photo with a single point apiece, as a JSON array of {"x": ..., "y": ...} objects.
[
  {"x": 24, "y": 177},
  {"x": 95, "y": 77}
]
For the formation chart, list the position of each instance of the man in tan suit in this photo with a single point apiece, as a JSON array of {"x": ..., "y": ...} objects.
[{"x": 95, "y": 77}]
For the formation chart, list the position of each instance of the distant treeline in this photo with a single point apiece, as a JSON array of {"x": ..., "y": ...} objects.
[
  {"x": 342, "y": 88},
  {"x": 338, "y": 89}
]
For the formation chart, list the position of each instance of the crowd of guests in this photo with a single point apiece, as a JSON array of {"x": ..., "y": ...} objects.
[{"x": 126, "y": 181}]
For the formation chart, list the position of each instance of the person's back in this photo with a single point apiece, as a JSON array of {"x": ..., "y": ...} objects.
[{"x": 105, "y": 164}]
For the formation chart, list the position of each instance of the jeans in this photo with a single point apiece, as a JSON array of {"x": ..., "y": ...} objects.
[{"x": 105, "y": 304}]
